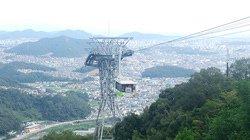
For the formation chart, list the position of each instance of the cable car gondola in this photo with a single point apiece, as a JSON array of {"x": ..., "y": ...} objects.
[{"x": 125, "y": 87}]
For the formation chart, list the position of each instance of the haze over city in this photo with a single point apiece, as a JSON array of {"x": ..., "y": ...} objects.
[{"x": 120, "y": 16}]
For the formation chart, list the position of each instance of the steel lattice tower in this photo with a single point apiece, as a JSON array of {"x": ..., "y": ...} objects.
[{"x": 106, "y": 56}]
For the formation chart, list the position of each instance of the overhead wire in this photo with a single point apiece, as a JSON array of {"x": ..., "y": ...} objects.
[
  {"x": 227, "y": 34},
  {"x": 221, "y": 28}
]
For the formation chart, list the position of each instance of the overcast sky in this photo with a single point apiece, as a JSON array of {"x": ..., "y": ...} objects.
[{"x": 95, "y": 16}]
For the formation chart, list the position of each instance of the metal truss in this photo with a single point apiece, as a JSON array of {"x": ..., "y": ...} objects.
[{"x": 106, "y": 55}]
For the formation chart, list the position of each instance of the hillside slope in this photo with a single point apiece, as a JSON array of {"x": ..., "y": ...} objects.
[{"x": 57, "y": 47}]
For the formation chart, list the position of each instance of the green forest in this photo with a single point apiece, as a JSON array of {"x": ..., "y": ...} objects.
[
  {"x": 9, "y": 74},
  {"x": 167, "y": 71},
  {"x": 85, "y": 69},
  {"x": 209, "y": 106},
  {"x": 61, "y": 46},
  {"x": 16, "y": 108},
  {"x": 23, "y": 65}
]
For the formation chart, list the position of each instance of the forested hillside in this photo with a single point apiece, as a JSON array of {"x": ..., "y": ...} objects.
[
  {"x": 9, "y": 74},
  {"x": 85, "y": 69},
  {"x": 16, "y": 107},
  {"x": 209, "y": 106},
  {"x": 24, "y": 65},
  {"x": 57, "y": 47},
  {"x": 167, "y": 71}
]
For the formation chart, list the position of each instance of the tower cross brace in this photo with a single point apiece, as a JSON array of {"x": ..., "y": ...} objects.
[{"x": 106, "y": 56}]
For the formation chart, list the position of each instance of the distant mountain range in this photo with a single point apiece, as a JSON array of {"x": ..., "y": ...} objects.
[
  {"x": 57, "y": 47},
  {"x": 148, "y": 36},
  {"x": 29, "y": 33},
  {"x": 78, "y": 34},
  {"x": 67, "y": 43}
]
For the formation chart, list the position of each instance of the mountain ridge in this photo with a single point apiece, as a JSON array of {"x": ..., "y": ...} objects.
[
  {"x": 30, "y": 33},
  {"x": 148, "y": 36},
  {"x": 61, "y": 46},
  {"x": 78, "y": 34}
]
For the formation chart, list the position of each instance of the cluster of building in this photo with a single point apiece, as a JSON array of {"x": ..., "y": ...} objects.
[{"x": 147, "y": 89}]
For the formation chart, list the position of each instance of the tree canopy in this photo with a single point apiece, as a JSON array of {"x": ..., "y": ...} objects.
[
  {"x": 167, "y": 71},
  {"x": 16, "y": 107},
  {"x": 209, "y": 106},
  {"x": 240, "y": 69}
]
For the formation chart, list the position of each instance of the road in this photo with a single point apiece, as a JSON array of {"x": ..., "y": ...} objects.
[{"x": 26, "y": 135}]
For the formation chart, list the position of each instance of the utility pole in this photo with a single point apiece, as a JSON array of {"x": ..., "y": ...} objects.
[{"x": 227, "y": 71}]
